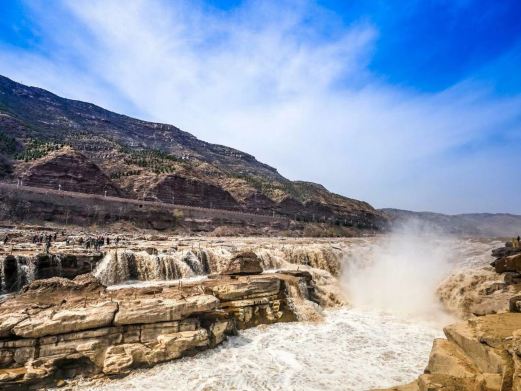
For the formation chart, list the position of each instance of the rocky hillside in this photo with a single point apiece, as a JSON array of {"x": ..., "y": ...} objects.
[
  {"x": 50, "y": 141},
  {"x": 471, "y": 224}
]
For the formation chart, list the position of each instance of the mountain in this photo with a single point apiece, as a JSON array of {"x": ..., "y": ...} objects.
[
  {"x": 49, "y": 141},
  {"x": 471, "y": 224}
]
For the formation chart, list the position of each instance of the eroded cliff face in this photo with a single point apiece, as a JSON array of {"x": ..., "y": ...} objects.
[
  {"x": 68, "y": 170},
  {"x": 193, "y": 192},
  {"x": 58, "y": 328}
]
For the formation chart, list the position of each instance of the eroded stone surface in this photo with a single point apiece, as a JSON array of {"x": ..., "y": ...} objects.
[
  {"x": 162, "y": 310},
  {"x": 59, "y": 329},
  {"x": 51, "y": 322}
]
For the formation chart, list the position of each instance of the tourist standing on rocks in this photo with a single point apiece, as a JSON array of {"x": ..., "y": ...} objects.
[
  {"x": 6, "y": 239},
  {"x": 48, "y": 244},
  {"x": 516, "y": 242}
]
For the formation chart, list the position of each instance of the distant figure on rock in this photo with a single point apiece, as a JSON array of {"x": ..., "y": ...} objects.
[
  {"x": 6, "y": 239},
  {"x": 516, "y": 242}
]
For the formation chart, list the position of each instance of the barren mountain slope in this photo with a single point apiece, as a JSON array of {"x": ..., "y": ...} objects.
[{"x": 154, "y": 161}]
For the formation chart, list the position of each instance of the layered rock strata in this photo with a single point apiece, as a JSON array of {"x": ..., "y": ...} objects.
[
  {"x": 482, "y": 354},
  {"x": 58, "y": 329}
]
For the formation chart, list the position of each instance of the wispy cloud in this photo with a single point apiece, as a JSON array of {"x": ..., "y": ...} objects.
[{"x": 284, "y": 83}]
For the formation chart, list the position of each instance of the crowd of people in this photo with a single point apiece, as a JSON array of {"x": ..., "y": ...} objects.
[
  {"x": 46, "y": 240},
  {"x": 88, "y": 242},
  {"x": 96, "y": 242}
]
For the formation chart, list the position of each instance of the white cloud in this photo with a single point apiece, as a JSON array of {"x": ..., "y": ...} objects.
[{"x": 263, "y": 79}]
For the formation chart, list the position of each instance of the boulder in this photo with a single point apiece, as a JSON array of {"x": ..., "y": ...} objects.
[
  {"x": 244, "y": 263},
  {"x": 511, "y": 263},
  {"x": 505, "y": 251},
  {"x": 514, "y": 304}
]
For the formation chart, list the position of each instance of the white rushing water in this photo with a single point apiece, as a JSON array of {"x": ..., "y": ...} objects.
[
  {"x": 350, "y": 350},
  {"x": 383, "y": 340}
]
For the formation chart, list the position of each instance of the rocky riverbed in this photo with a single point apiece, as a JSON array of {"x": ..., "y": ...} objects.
[
  {"x": 58, "y": 329},
  {"x": 152, "y": 299}
]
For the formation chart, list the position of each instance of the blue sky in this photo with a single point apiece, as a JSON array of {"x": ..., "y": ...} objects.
[{"x": 411, "y": 104}]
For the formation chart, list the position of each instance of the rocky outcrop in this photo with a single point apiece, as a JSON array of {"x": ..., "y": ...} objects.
[
  {"x": 485, "y": 290},
  {"x": 509, "y": 263},
  {"x": 481, "y": 354},
  {"x": 57, "y": 328},
  {"x": 68, "y": 170},
  {"x": 244, "y": 263}
]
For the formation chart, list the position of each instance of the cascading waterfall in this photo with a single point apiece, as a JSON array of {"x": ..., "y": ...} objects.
[
  {"x": 17, "y": 271},
  {"x": 120, "y": 266},
  {"x": 321, "y": 260}
]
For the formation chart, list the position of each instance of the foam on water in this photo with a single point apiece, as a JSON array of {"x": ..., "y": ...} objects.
[
  {"x": 350, "y": 350},
  {"x": 385, "y": 340}
]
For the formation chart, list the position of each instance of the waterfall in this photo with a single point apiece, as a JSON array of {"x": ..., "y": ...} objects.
[
  {"x": 18, "y": 271},
  {"x": 113, "y": 268},
  {"x": 120, "y": 266}
]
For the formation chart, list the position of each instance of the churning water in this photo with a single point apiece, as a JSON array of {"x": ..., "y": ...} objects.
[
  {"x": 349, "y": 350},
  {"x": 384, "y": 339}
]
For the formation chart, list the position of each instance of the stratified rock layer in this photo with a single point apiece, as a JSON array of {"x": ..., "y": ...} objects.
[
  {"x": 57, "y": 328},
  {"x": 69, "y": 170},
  {"x": 482, "y": 354}
]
